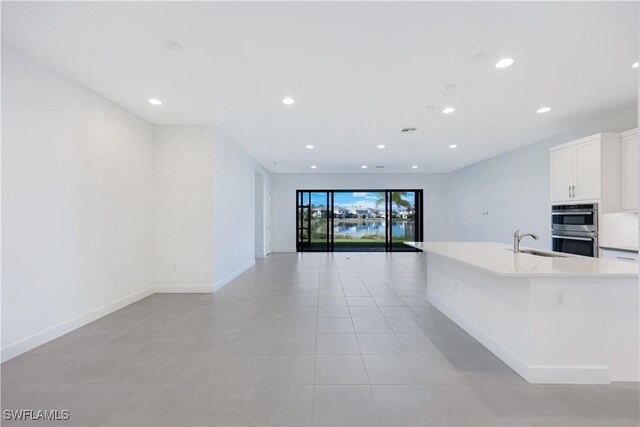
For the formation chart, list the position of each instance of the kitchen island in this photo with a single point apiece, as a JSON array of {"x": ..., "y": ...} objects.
[{"x": 552, "y": 319}]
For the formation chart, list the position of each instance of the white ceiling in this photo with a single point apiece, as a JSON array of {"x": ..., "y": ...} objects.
[{"x": 359, "y": 72}]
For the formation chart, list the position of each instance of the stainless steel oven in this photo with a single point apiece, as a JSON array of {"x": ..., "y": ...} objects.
[
  {"x": 576, "y": 243},
  {"x": 582, "y": 218},
  {"x": 575, "y": 229}
]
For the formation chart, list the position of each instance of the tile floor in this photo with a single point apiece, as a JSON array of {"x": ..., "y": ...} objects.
[{"x": 312, "y": 339}]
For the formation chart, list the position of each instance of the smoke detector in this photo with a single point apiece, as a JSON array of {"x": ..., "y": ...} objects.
[{"x": 172, "y": 45}]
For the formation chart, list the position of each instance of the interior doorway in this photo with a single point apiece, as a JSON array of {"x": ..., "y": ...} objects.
[
  {"x": 358, "y": 220},
  {"x": 259, "y": 214}
]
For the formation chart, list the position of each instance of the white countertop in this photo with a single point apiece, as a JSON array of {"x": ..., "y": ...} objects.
[{"x": 498, "y": 259}]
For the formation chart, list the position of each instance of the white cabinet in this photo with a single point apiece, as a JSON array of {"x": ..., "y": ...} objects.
[
  {"x": 561, "y": 174},
  {"x": 619, "y": 255},
  {"x": 587, "y": 170},
  {"x": 629, "y": 170}
]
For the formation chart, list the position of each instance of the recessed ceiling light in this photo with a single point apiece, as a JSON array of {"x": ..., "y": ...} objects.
[
  {"x": 453, "y": 146},
  {"x": 381, "y": 146},
  {"x": 504, "y": 63},
  {"x": 448, "y": 110},
  {"x": 310, "y": 147},
  {"x": 364, "y": 166},
  {"x": 414, "y": 167},
  {"x": 288, "y": 101},
  {"x": 634, "y": 65},
  {"x": 314, "y": 167},
  {"x": 154, "y": 101},
  {"x": 544, "y": 109}
]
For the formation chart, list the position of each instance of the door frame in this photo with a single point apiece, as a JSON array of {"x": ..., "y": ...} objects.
[
  {"x": 259, "y": 215},
  {"x": 302, "y": 246}
]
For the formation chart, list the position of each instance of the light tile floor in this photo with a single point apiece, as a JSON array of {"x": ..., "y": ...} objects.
[{"x": 301, "y": 339}]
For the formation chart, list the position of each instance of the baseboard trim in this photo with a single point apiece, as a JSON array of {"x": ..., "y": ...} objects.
[
  {"x": 36, "y": 340},
  {"x": 569, "y": 374},
  {"x": 183, "y": 289},
  {"x": 229, "y": 277},
  {"x": 538, "y": 374}
]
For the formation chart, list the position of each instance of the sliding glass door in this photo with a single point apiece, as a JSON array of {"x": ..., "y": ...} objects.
[
  {"x": 355, "y": 220},
  {"x": 314, "y": 221},
  {"x": 405, "y": 223},
  {"x": 359, "y": 221}
]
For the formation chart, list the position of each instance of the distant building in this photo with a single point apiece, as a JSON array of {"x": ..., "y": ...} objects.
[
  {"x": 405, "y": 214},
  {"x": 364, "y": 213},
  {"x": 339, "y": 212},
  {"x": 319, "y": 212}
]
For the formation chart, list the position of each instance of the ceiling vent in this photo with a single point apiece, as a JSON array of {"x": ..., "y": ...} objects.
[
  {"x": 379, "y": 167},
  {"x": 407, "y": 130}
]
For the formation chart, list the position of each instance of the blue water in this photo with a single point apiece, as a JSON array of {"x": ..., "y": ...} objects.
[{"x": 398, "y": 228}]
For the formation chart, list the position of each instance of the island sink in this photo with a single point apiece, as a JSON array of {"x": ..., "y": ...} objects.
[{"x": 540, "y": 253}]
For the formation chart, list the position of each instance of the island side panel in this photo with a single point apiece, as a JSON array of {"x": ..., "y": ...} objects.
[
  {"x": 492, "y": 309},
  {"x": 569, "y": 331},
  {"x": 623, "y": 329}
]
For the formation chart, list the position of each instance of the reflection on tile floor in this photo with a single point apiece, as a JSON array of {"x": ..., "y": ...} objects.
[{"x": 301, "y": 339}]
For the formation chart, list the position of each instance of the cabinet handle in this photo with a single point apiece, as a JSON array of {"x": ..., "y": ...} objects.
[
  {"x": 569, "y": 191},
  {"x": 626, "y": 258},
  {"x": 573, "y": 191}
]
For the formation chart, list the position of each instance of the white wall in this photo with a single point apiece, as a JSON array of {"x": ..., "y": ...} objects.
[
  {"x": 514, "y": 189},
  {"x": 234, "y": 209},
  {"x": 284, "y": 188},
  {"x": 183, "y": 191},
  {"x": 77, "y": 211}
]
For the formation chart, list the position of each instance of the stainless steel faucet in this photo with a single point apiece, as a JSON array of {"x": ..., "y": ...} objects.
[{"x": 517, "y": 237}]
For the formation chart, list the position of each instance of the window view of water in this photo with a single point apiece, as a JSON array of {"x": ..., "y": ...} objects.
[
  {"x": 361, "y": 229},
  {"x": 352, "y": 220}
]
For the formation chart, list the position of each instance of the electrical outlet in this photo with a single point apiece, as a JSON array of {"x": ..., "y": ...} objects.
[{"x": 559, "y": 299}]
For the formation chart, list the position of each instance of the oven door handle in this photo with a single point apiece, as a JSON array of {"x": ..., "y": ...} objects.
[
  {"x": 573, "y": 213},
  {"x": 584, "y": 239}
]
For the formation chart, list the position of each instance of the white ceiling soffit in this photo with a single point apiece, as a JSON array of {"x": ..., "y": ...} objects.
[{"x": 359, "y": 72}]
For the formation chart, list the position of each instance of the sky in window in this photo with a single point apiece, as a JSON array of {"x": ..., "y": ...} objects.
[{"x": 351, "y": 200}]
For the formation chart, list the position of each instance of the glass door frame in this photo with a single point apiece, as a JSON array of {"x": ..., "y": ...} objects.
[
  {"x": 418, "y": 219},
  {"x": 306, "y": 245}
]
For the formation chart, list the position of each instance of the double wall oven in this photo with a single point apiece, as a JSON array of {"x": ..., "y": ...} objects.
[{"x": 574, "y": 229}]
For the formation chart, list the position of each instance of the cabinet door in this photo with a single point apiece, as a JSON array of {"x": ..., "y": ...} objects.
[
  {"x": 561, "y": 174},
  {"x": 587, "y": 174},
  {"x": 629, "y": 172}
]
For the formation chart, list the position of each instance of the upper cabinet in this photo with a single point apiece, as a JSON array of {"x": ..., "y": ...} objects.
[
  {"x": 562, "y": 172},
  {"x": 587, "y": 178},
  {"x": 629, "y": 170},
  {"x": 587, "y": 170}
]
